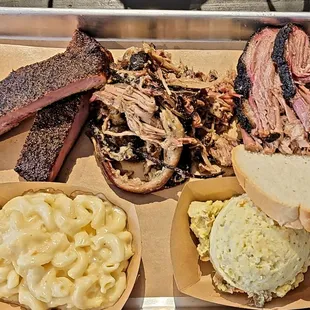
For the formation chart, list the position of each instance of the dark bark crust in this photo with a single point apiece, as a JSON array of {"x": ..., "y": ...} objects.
[{"x": 278, "y": 57}]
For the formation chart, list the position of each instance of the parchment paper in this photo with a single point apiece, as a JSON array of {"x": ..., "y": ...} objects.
[{"x": 155, "y": 211}]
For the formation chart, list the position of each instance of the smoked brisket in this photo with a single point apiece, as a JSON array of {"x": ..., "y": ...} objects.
[
  {"x": 266, "y": 84},
  {"x": 291, "y": 55}
]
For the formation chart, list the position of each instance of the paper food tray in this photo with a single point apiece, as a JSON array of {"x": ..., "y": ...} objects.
[
  {"x": 11, "y": 190},
  {"x": 194, "y": 277}
]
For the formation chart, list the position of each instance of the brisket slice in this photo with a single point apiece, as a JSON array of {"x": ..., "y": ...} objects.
[
  {"x": 267, "y": 123},
  {"x": 257, "y": 72},
  {"x": 292, "y": 58},
  {"x": 84, "y": 65},
  {"x": 298, "y": 54},
  {"x": 253, "y": 108},
  {"x": 291, "y": 54},
  {"x": 52, "y": 135}
]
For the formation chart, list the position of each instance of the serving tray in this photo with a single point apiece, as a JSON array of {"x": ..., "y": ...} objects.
[
  {"x": 123, "y": 28},
  {"x": 202, "y": 39}
]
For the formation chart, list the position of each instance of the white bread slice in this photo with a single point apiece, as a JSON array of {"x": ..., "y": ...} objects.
[{"x": 278, "y": 184}]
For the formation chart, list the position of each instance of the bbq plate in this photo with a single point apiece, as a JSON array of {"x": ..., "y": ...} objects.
[{"x": 204, "y": 40}]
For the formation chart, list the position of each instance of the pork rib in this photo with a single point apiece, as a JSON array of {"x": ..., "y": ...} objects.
[
  {"x": 52, "y": 135},
  {"x": 83, "y": 66}
]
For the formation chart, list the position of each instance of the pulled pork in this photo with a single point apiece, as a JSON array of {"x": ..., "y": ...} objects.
[{"x": 178, "y": 122}]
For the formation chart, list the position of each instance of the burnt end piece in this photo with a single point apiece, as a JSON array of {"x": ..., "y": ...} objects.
[
  {"x": 279, "y": 58},
  {"x": 138, "y": 61},
  {"x": 51, "y": 137}
]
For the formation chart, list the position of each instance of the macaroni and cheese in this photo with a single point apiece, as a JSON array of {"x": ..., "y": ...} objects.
[{"x": 57, "y": 251}]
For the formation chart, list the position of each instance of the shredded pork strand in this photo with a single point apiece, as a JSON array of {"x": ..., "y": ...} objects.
[{"x": 137, "y": 107}]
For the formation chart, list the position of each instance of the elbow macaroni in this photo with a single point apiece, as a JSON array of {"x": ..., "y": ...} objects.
[{"x": 57, "y": 251}]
